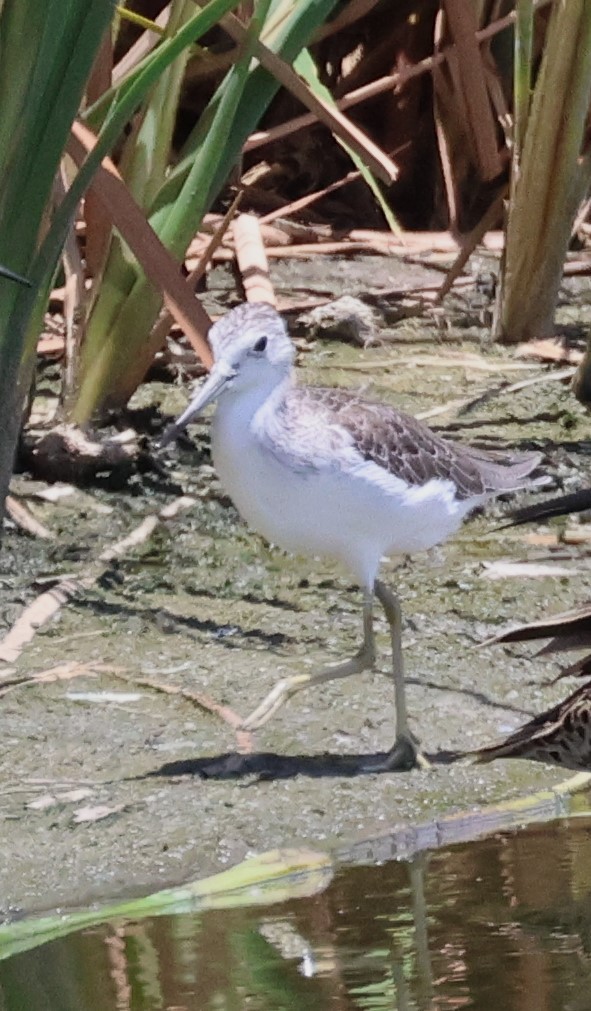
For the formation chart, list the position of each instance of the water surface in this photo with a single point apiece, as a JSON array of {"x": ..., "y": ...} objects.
[{"x": 504, "y": 923}]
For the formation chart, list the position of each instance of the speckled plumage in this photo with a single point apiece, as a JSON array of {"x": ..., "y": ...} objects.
[
  {"x": 562, "y": 735},
  {"x": 397, "y": 442}
]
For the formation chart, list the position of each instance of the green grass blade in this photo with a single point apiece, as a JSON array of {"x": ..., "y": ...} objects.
[
  {"x": 127, "y": 101},
  {"x": 306, "y": 68},
  {"x": 130, "y": 92},
  {"x": 146, "y": 154},
  {"x": 105, "y": 352},
  {"x": 118, "y": 328},
  {"x": 193, "y": 198},
  {"x": 522, "y": 77},
  {"x": 43, "y": 72},
  {"x": 290, "y": 28}
]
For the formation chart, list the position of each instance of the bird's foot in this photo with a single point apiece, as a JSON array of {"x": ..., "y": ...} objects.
[
  {"x": 274, "y": 700},
  {"x": 284, "y": 689},
  {"x": 403, "y": 756}
]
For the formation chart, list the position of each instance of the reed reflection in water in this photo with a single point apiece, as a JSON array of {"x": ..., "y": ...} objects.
[{"x": 504, "y": 923}]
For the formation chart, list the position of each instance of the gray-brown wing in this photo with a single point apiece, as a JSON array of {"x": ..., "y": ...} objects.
[{"x": 407, "y": 448}]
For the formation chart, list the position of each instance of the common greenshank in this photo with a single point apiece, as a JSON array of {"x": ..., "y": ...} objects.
[{"x": 324, "y": 472}]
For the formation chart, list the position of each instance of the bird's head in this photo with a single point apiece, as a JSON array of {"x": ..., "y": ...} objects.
[{"x": 251, "y": 350}]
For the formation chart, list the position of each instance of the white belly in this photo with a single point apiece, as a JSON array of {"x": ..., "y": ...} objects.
[{"x": 355, "y": 518}]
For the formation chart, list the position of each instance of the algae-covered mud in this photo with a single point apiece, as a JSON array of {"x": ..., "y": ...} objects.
[{"x": 101, "y": 791}]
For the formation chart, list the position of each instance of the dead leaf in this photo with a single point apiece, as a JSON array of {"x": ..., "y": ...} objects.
[
  {"x": 56, "y": 492},
  {"x": 50, "y": 345},
  {"x": 74, "y": 796},
  {"x": 42, "y": 803},
  {"x": 526, "y": 570},
  {"x": 160, "y": 267},
  {"x": 48, "y": 800},
  {"x": 549, "y": 351},
  {"x": 541, "y": 540},
  {"x": 104, "y": 697},
  {"x": 97, "y": 813},
  {"x": 577, "y": 535},
  {"x": 329, "y": 115},
  {"x": 23, "y": 518}
]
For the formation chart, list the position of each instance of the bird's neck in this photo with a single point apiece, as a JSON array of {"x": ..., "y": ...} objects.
[{"x": 239, "y": 409}]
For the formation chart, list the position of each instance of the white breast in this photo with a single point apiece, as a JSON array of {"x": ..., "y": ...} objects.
[{"x": 355, "y": 514}]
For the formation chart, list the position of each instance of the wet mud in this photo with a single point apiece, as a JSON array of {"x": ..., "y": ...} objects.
[{"x": 109, "y": 785}]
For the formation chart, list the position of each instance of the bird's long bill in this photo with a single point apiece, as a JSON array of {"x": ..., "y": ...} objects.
[{"x": 217, "y": 379}]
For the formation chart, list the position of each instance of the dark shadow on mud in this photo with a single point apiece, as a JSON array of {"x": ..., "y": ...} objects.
[
  {"x": 249, "y": 598},
  {"x": 267, "y": 765},
  {"x": 163, "y": 618}
]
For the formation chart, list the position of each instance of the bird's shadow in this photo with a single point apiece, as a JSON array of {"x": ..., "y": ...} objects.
[
  {"x": 267, "y": 765},
  {"x": 231, "y": 636}
]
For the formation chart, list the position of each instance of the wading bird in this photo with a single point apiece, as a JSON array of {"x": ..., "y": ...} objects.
[{"x": 324, "y": 472}]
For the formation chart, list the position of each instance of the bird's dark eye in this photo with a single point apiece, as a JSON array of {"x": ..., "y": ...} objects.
[{"x": 260, "y": 345}]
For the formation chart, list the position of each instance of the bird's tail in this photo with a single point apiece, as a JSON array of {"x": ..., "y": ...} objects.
[{"x": 505, "y": 472}]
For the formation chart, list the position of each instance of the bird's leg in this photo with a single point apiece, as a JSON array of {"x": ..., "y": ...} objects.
[
  {"x": 404, "y": 752},
  {"x": 363, "y": 660}
]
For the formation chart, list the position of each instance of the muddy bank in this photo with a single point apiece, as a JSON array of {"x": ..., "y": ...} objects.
[{"x": 205, "y": 606}]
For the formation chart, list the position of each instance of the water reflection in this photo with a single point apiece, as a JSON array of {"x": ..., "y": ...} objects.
[{"x": 500, "y": 924}]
